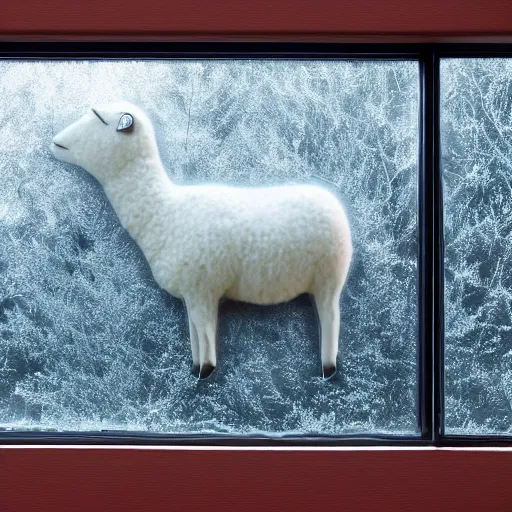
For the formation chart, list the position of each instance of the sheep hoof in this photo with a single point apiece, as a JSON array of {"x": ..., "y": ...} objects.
[
  {"x": 195, "y": 370},
  {"x": 206, "y": 370},
  {"x": 328, "y": 371}
]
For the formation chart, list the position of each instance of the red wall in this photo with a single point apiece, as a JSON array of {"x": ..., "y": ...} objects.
[
  {"x": 99, "y": 480},
  {"x": 295, "y": 19},
  {"x": 126, "y": 479}
]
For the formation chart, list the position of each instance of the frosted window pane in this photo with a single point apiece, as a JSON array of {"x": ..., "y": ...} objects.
[
  {"x": 477, "y": 166},
  {"x": 87, "y": 339}
]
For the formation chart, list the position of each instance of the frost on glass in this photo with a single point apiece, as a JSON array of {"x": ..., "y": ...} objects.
[
  {"x": 477, "y": 166},
  {"x": 87, "y": 339}
]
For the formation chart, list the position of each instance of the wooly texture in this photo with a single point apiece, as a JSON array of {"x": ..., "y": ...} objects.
[{"x": 206, "y": 243}]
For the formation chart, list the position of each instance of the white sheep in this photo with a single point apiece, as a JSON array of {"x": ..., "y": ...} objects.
[{"x": 205, "y": 243}]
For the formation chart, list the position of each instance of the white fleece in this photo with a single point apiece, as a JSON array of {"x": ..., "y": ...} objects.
[{"x": 203, "y": 243}]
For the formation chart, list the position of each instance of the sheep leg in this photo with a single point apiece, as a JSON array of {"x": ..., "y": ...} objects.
[
  {"x": 204, "y": 318},
  {"x": 194, "y": 344},
  {"x": 329, "y": 315}
]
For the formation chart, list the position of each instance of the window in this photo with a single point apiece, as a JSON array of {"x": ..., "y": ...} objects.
[
  {"x": 476, "y": 106},
  {"x": 90, "y": 344}
]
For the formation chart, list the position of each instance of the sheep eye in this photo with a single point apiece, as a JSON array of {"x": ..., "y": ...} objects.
[{"x": 125, "y": 123}]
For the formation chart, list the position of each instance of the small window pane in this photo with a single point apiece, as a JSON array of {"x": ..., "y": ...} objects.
[
  {"x": 88, "y": 341},
  {"x": 476, "y": 98}
]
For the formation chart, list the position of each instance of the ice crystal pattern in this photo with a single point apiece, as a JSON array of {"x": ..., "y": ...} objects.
[
  {"x": 87, "y": 339},
  {"x": 476, "y": 107}
]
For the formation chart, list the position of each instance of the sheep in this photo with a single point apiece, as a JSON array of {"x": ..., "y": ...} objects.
[{"x": 205, "y": 243}]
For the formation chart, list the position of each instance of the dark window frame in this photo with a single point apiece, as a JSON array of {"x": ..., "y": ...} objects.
[{"x": 430, "y": 279}]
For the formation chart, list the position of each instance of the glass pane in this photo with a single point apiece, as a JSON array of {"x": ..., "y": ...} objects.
[
  {"x": 476, "y": 114},
  {"x": 89, "y": 341}
]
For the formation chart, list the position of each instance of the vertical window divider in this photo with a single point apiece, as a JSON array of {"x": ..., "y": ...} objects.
[
  {"x": 430, "y": 254},
  {"x": 438, "y": 254}
]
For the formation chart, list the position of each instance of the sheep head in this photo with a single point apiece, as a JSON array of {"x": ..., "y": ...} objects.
[{"x": 106, "y": 139}]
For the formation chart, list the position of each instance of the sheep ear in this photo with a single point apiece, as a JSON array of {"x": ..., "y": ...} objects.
[{"x": 125, "y": 123}]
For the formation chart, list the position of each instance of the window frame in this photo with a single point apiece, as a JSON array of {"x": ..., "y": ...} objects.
[
  {"x": 430, "y": 270},
  {"x": 459, "y": 51}
]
